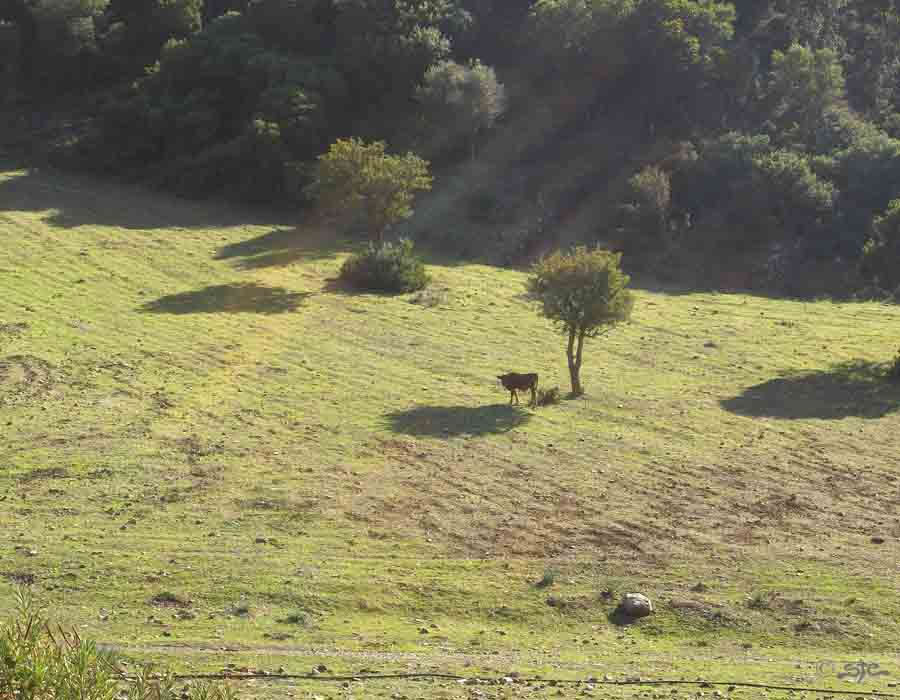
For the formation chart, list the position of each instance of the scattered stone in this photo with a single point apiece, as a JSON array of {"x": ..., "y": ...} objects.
[{"x": 635, "y": 605}]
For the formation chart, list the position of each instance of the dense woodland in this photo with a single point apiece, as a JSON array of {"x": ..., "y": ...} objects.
[{"x": 765, "y": 132}]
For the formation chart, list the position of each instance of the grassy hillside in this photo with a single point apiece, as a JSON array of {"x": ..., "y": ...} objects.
[{"x": 212, "y": 454}]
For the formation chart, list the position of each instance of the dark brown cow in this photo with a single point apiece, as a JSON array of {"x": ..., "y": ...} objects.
[{"x": 514, "y": 382}]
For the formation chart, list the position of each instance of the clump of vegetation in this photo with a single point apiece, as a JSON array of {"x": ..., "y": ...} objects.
[
  {"x": 362, "y": 176},
  {"x": 548, "y": 397},
  {"x": 430, "y": 297},
  {"x": 386, "y": 267},
  {"x": 893, "y": 371},
  {"x": 37, "y": 663},
  {"x": 40, "y": 661},
  {"x": 298, "y": 618},
  {"x": 881, "y": 254},
  {"x": 585, "y": 294},
  {"x": 651, "y": 199},
  {"x": 459, "y": 104},
  {"x": 547, "y": 580},
  {"x": 761, "y": 601},
  {"x": 240, "y": 610}
]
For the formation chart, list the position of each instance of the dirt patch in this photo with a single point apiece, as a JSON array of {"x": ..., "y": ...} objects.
[
  {"x": 170, "y": 600},
  {"x": 48, "y": 473},
  {"x": 12, "y": 330},
  {"x": 23, "y": 378},
  {"x": 292, "y": 506},
  {"x": 480, "y": 502},
  {"x": 22, "y": 578},
  {"x": 701, "y": 613},
  {"x": 195, "y": 449},
  {"x": 778, "y": 507}
]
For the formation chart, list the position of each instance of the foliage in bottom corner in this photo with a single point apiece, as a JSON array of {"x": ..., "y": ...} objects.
[
  {"x": 387, "y": 267},
  {"x": 893, "y": 370},
  {"x": 40, "y": 661}
]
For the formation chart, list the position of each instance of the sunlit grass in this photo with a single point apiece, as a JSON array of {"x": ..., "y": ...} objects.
[{"x": 192, "y": 409}]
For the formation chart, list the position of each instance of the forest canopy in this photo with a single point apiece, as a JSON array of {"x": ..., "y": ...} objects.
[{"x": 794, "y": 105}]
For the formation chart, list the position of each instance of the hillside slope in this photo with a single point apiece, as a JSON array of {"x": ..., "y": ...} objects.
[{"x": 208, "y": 445}]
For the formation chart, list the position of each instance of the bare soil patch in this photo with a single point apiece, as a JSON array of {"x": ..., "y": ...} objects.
[{"x": 23, "y": 378}]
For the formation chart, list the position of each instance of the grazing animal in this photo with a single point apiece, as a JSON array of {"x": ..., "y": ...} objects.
[{"x": 514, "y": 382}]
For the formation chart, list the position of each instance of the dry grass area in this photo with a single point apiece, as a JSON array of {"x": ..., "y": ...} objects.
[{"x": 192, "y": 412}]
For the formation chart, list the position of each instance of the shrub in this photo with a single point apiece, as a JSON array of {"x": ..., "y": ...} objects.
[
  {"x": 363, "y": 176},
  {"x": 548, "y": 397},
  {"x": 881, "y": 255},
  {"x": 388, "y": 267},
  {"x": 459, "y": 103},
  {"x": 798, "y": 198},
  {"x": 547, "y": 580},
  {"x": 893, "y": 371},
  {"x": 42, "y": 662},
  {"x": 651, "y": 195},
  {"x": 37, "y": 664}
]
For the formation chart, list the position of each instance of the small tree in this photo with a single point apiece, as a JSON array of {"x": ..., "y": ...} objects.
[
  {"x": 805, "y": 83},
  {"x": 461, "y": 102},
  {"x": 585, "y": 294},
  {"x": 651, "y": 201},
  {"x": 881, "y": 256},
  {"x": 354, "y": 174}
]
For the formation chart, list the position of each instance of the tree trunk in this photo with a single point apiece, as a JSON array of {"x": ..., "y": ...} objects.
[{"x": 574, "y": 356}]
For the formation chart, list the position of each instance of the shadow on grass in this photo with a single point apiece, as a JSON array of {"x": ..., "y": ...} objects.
[
  {"x": 71, "y": 201},
  {"x": 278, "y": 248},
  {"x": 620, "y": 619},
  {"x": 850, "y": 389},
  {"x": 448, "y": 421},
  {"x": 229, "y": 298}
]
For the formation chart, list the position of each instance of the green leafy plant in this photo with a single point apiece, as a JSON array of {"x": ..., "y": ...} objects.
[
  {"x": 42, "y": 661},
  {"x": 893, "y": 371},
  {"x": 386, "y": 267},
  {"x": 358, "y": 175},
  {"x": 585, "y": 294}
]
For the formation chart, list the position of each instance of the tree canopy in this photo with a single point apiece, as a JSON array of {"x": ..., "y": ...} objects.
[
  {"x": 355, "y": 174},
  {"x": 584, "y": 293}
]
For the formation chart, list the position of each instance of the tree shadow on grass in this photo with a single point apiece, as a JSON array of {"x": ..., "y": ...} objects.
[
  {"x": 278, "y": 248},
  {"x": 620, "y": 618},
  {"x": 71, "y": 201},
  {"x": 229, "y": 298},
  {"x": 450, "y": 421},
  {"x": 850, "y": 389}
]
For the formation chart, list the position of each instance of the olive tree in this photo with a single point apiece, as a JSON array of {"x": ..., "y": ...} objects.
[
  {"x": 358, "y": 175},
  {"x": 584, "y": 292},
  {"x": 460, "y": 102}
]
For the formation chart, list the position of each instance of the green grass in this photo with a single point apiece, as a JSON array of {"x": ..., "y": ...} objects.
[{"x": 213, "y": 455}]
